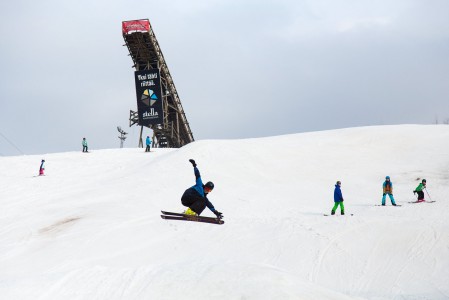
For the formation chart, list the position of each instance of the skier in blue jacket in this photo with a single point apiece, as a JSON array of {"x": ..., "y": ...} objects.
[
  {"x": 338, "y": 199},
  {"x": 195, "y": 197},
  {"x": 148, "y": 143}
]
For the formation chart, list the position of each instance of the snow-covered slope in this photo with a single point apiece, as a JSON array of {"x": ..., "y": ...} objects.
[{"x": 91, "y": 228}]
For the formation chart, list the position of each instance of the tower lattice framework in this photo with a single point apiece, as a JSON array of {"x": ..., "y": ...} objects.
[{"x": 146, "y": 54}]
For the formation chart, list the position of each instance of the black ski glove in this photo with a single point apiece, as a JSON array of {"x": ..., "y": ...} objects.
[
  {"x": 218, "y": 214},
  {"x": 192, "y": 162},
  {"x": 414, "y": 192}
]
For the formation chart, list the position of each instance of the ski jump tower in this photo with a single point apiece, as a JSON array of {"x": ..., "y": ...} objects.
[{"x": 158, "y": 103}]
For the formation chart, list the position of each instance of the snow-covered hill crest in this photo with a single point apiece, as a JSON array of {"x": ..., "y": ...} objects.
[{"x": 90, "y": 228}]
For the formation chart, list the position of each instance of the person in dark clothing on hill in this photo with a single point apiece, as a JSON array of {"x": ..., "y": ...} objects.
[
  {"x": 195, "y": 197},
  {"x": 42, "y": 168}
]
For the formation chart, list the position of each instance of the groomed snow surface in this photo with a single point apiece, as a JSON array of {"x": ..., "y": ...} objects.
[{"x": 91, "y": 228}]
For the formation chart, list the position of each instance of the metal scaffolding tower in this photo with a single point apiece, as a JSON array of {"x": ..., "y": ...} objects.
[{"x": 146, "y": 54}]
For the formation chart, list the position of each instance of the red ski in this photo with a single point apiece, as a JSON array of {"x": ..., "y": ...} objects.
[{"x": 422, "y": 201}]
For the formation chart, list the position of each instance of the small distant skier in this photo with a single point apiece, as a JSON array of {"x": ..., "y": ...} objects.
[
  {"x": 419, "y": 189},
  {"x": 338, "y": 199},
  {"x": 42, "y": 168},
  {"x": 388, "y": 190},
  {"x": 84, "y": 143},
  {"x": 148, "y": 143},
  {"x": 195, "y": 197}
]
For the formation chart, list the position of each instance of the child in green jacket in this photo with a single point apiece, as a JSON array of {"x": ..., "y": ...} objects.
[{"x": 419, "y": 189}]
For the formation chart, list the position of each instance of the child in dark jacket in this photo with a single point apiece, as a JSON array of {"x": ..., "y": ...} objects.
[
  {"x": 338, "y": 199},
  {"x": 42, "y": 168}
]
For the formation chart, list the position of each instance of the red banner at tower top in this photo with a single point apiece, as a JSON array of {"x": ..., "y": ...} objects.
[{"x": 135, "y": 26}]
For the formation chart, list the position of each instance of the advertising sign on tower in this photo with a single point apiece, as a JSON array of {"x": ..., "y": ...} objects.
[
  {"x": 135, "y": 26},
  {"x": 149, "y": 97}
]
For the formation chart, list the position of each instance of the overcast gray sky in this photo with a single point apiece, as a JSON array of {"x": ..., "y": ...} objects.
[{"x": 242, "y": 68}]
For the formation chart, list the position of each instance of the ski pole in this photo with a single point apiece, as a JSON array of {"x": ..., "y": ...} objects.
[
  {"x": 428, "y": 194},
  {"x": 414, "y": 193}
]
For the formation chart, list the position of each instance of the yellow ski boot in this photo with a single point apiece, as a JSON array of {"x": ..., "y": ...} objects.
[{"x": 190, "y": 212}]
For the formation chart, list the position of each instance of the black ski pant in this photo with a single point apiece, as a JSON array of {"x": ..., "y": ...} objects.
[
  {"x": 84, "y": 148},
  {"x": 147, "y": 149},
  {"x": 420, "y": 195},
  {"x": 192, "y": 199}
]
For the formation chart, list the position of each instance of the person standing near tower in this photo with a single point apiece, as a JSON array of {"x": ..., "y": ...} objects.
[{"x": 148, "y": 143}]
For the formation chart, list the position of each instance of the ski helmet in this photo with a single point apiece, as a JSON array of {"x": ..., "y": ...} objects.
[
  {"x": 423, "y": 180},
  {"x": 387, "y": 178},
  {"x": 209, "y": 185}
]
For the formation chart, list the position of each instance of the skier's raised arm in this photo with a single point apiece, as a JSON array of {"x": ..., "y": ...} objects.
[{"x": 198, "y": 182}]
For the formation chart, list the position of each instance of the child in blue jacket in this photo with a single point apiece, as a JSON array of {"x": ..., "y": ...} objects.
[
  {"x": 148, "y": 143},
  {"x": 338, "y": 199}
]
